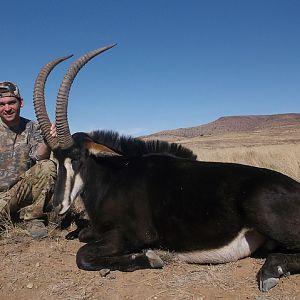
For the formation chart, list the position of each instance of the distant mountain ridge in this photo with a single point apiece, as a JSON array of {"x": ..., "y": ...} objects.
[{"x": 231, "y": 124}]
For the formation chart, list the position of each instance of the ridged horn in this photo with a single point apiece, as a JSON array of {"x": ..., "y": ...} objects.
[
  {"x": 61, "y": 115},
  {"x": 39, "y": 101}
]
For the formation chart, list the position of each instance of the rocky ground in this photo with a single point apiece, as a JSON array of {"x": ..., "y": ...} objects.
[{"x": 45, "y": 269}]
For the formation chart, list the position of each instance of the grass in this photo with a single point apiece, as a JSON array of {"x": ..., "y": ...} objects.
[
  {"x": 276, "y": 150},
  {"x": 281, "y": 158},
  {"x": 7, "y": 226}
]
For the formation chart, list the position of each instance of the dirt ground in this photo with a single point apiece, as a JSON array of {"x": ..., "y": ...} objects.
[{"x": 46, "y": 269}]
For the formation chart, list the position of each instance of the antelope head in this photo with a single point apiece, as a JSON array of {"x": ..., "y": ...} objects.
[{"x": 66, "y": 148}]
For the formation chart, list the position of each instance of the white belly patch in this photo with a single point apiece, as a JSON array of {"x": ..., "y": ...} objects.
[{"x": 246, "y": 242}]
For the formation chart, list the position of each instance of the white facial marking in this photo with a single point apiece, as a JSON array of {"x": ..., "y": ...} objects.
[
  {"x": 68, "y": 188},
  {"x": 246, "y": 242},
  {"x": 77, "y": 187}
]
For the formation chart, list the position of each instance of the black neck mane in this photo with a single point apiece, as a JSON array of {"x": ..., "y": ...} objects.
[{"x": 128, "y": 145}]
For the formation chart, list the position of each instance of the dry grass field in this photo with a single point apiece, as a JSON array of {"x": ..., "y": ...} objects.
[
  {"x": 276, "y": 149},
  {"x": 46, "y": 269}
]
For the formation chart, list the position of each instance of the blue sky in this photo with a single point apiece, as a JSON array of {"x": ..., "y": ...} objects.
[{"x": 177, "y": 63}]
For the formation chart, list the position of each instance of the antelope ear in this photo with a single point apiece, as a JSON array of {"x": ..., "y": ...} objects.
[{"x": 99, "y": 149}]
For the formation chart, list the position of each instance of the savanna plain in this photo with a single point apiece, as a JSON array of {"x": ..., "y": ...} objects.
[{"x": 46, "y": 268}]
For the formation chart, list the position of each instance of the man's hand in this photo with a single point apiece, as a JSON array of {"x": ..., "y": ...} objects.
[{"x": 43, "y": 150}]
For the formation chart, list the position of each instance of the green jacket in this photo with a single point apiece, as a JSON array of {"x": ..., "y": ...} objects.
[{"x": 17, "y": 151}]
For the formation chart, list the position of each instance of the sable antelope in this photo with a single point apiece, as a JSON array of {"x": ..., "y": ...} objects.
[{"x": 205, "y": 212}]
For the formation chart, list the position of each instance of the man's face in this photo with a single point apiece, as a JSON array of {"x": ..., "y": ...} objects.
[{"x": 10, "y": 110}]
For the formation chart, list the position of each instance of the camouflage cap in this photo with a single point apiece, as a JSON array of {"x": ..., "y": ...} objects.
[{"x": 9, "y": 89}]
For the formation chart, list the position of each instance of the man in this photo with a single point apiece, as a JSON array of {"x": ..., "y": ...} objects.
[{"x": 27, "y": 176}]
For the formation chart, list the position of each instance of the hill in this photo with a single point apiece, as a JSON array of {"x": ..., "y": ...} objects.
[{"x": 231, "y": 124}]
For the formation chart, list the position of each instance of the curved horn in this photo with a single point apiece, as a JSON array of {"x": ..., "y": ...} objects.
[
  {"x": 39, "y": 101},
  {"x": 62, "y": 126}
]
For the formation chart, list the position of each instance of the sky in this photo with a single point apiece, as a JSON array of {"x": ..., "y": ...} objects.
[{"x": 177, "y": 63}]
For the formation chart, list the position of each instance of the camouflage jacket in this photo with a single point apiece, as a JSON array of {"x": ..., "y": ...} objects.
[{"x": 17, "y": 151}]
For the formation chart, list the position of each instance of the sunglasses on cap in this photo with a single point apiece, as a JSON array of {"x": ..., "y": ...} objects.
[{"x": 9, "y": 89}]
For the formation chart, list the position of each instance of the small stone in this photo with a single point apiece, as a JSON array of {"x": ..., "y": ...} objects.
[
  {"x": 104, "y": 272},
  {"x": 29, "y": 285},
  {"x": 37, "y": 229},
  {"x": 37, "y": 265}
]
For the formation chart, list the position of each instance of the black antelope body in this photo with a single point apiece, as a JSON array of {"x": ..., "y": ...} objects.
[{"x": 143, "y": 196}]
